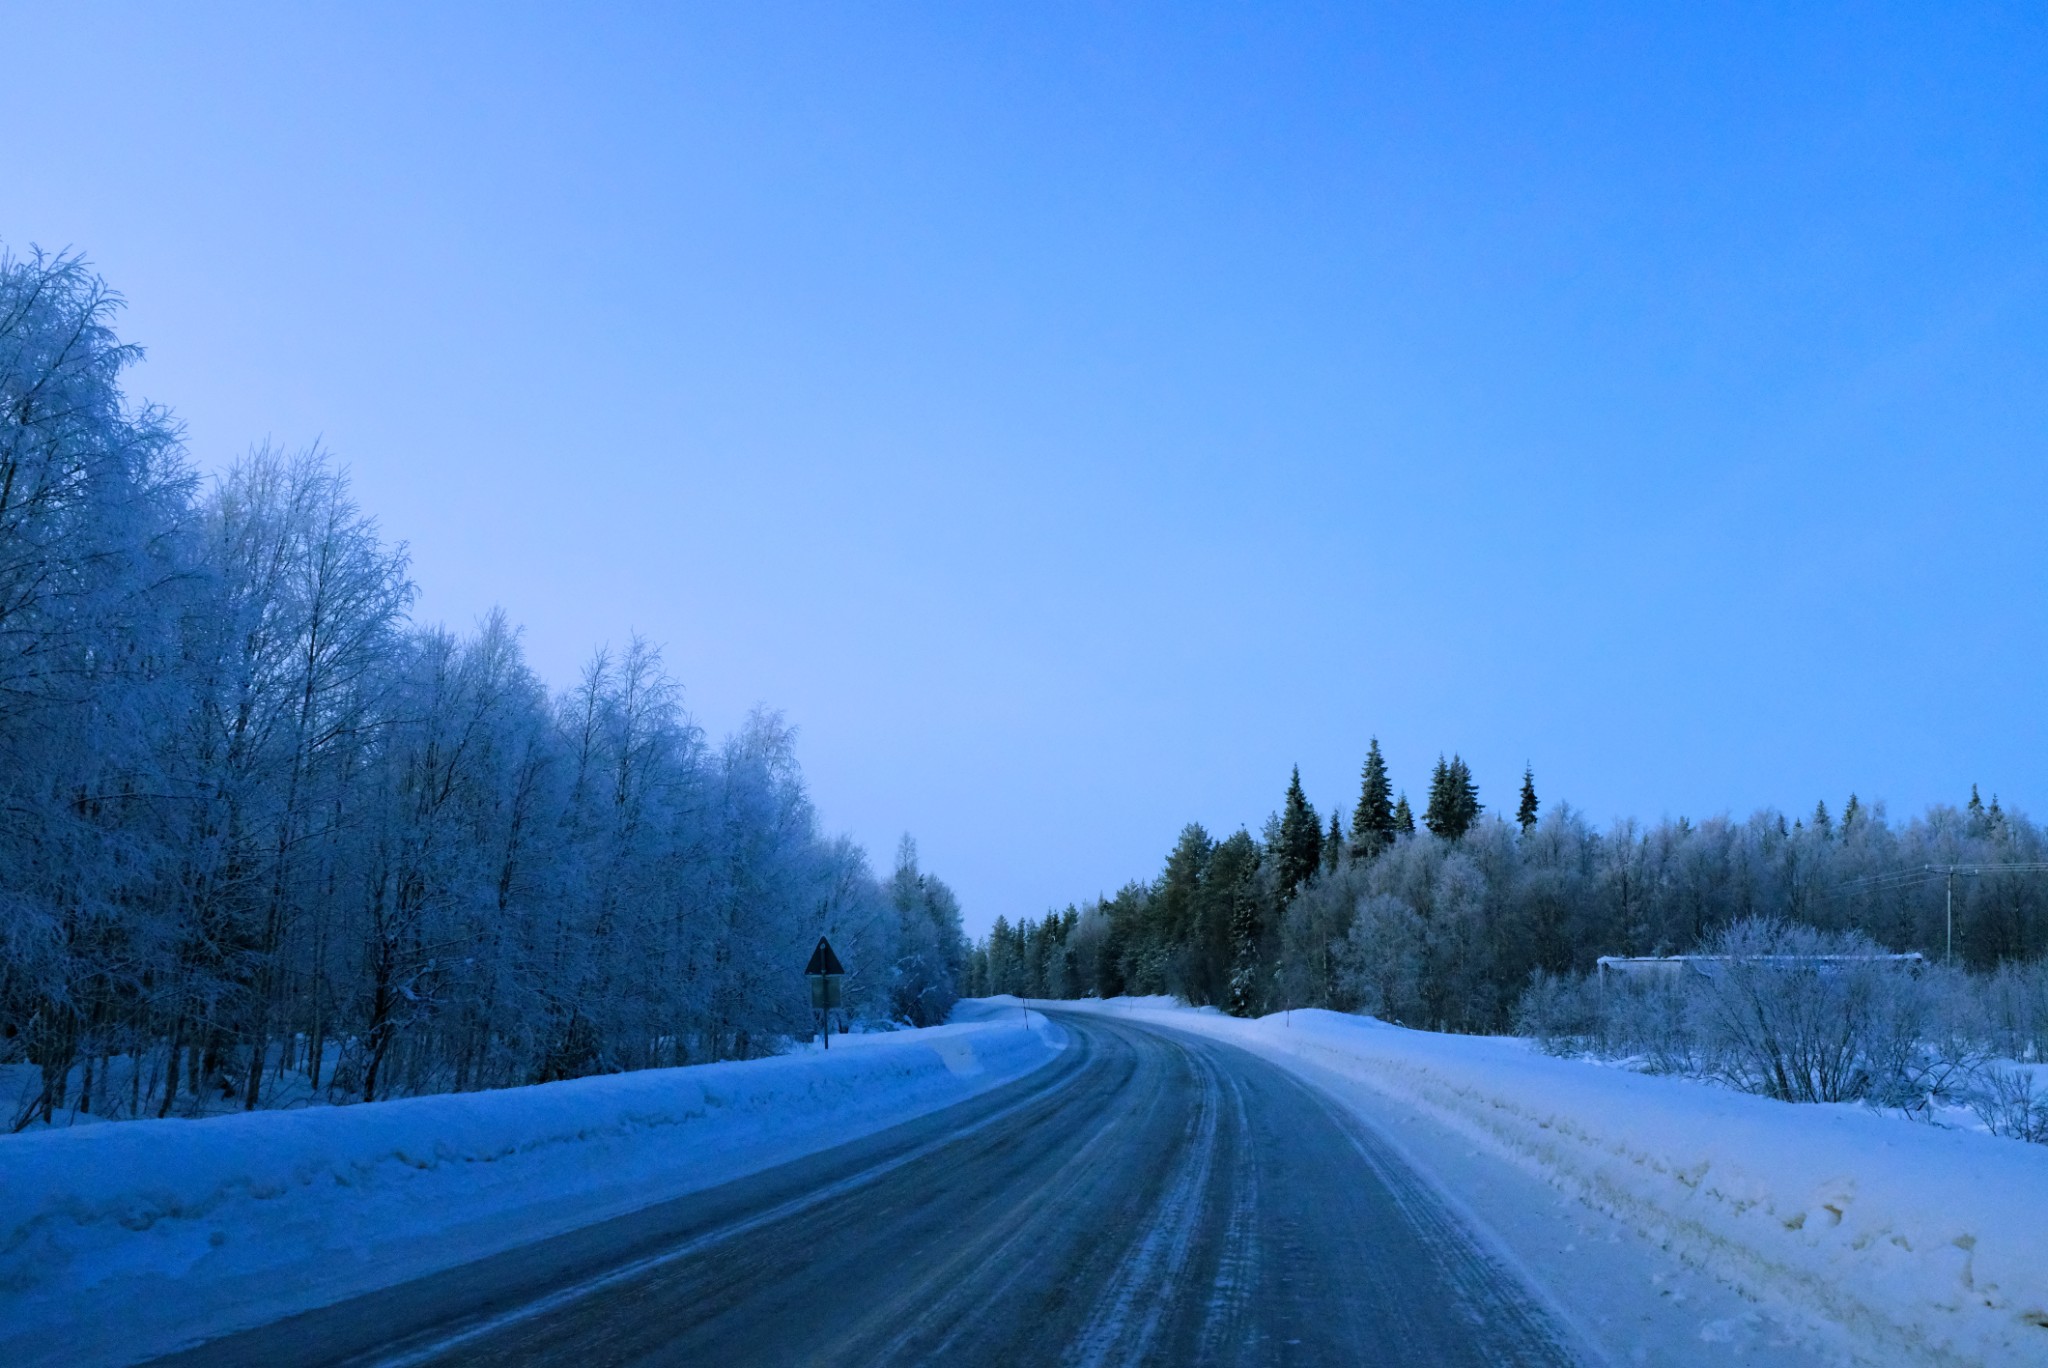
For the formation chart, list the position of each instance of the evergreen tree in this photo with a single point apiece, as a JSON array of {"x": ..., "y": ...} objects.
[
  {"x": 1173, "y": 908},
  {"x": 1000, "y": 959},
  {"x": 1404, "y": 817},
  {"x": 1372, "y": 825},
  {"x": 1333, "y": 844},
  {"x": 1204, "y": 967},
  {"x": 1300, "y": 850},
  {"x": 1850, "y": 814},
  {"x": 1466, "y": 795},
  {"x": 1453, "y": 800},
  {"x": 1823, "y": 823},
  {"x": 1436, "y": 813},
  {"x": 1525, "y": 815},
  {"x": 1233, "y": 887}
]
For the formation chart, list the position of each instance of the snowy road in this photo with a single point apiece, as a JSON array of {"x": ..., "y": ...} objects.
[{"x": 1149, "y": 1197}]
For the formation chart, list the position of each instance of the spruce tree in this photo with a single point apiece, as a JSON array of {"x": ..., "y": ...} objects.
[
  {"x": 1404, "y": 817},
  {"x": 1465, "y": 795},
  {"x": 1372, "y": 825},
  {"x": 1823, "y": 823},
  {"x": 1333, "y": 844},
  {"x": 1525, "y": 815},
  {"x": 1173, "y": 905},
  {"x": 1001, "y": 975},
  {"x": 1437, "y": 814},
  {"x": 1850, "y": 813},
  {"x": 1453, "y": 800},
  {"x": 1300, "y": 851},
  {"x": 1233, "y": 889},
  {"x": 1243, "y": 997},
  {"x": 1231, "y": 924}
]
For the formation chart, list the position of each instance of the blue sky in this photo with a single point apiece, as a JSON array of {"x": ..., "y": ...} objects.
[{"x": 1073, "y": 416}]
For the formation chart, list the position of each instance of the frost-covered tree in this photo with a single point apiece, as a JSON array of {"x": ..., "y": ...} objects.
[
  {"x": 263, "y": 836},
  {"x": 1461, "y": 925},
  {"x": 932, "y": 955}
]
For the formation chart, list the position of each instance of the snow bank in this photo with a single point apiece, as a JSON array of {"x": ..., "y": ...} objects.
[
  {"x": 120, "y": 1241},
  {"x": 1924, "y": 1245}
]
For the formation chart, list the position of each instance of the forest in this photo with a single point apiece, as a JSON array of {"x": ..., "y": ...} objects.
[
  {"x": 1447, "y": 926},
  {"x": 265, "y": 838}
]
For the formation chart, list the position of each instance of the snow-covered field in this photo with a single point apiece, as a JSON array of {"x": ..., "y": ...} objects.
[
  {"x": 119, "y": 1241},
  {"x": 1915, "y": 1244}
]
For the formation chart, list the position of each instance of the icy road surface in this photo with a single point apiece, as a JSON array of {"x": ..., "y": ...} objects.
[{"x": 1149, "y": 1197}]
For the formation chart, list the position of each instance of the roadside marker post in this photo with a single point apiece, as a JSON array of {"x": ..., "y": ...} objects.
[{"x": 825, "y": 972}]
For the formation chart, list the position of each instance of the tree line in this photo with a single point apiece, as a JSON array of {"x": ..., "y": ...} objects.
[
  {"x": 260, "y": 829},
  {"x": 1446, "y": 924}
]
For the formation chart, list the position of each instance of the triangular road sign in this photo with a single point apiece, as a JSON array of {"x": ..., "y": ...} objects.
[{"x": 823, "y": 961}]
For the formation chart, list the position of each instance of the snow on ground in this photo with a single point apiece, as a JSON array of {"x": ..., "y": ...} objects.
[
  {"x": 122, "y": 1241},
  {"x": 1894, "y": 1242}
]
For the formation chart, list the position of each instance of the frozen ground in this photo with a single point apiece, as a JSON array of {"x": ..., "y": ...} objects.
[
  {"x": 1844, "y": 1234},
  {"x": 125, "y": 1240}
]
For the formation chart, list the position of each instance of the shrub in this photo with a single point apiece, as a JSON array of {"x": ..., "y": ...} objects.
[
  {"x": 2008, "y": 1104},
  {"x": 1804, "y": 1015}
]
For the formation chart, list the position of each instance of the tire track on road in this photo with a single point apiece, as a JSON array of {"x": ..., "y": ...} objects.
[{"x": 1147, "y": 1280}]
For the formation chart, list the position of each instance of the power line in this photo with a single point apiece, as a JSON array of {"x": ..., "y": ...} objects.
[{"x": 1920, "y": 875}]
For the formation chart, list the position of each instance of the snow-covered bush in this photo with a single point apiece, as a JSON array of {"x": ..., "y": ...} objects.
[
  {"x": 1648, "y": 1021},
  {"x": 2014, "y": 1003},
  {"x": 2009, "y": 1104},
  {"x": 1804, "y": 1015},
  {"x": 1786, "y": 1011}
]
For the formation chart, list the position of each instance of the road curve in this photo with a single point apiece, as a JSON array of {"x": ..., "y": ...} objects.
[{"x": 1149, "y": 1197}]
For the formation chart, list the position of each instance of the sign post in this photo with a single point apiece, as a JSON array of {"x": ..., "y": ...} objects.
[{"x": 824, "y": 971}]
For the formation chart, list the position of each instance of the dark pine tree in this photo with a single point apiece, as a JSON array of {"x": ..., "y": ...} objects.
[
  {"x": 1372, "y": 825},
  {"x": 1173, "y": 907},
  {"x": 1404, "y": 817},
  {"x": 1453, "y": 800},
  {"x": 1333, "y": 844},
  {"x": 1300, "y": 851},
  {"x": 1233, "y": 887},
  {"x": 1525, "y": 815},
  {"x": 1465, "y": 795},
  {"x": 1436, "y": 814},
  {"x": 1823, "y": 823}
]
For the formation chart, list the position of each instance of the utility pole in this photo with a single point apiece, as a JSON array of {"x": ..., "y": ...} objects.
[
  {"x": 1916, "y": 876},
  {"x": 1951, "y": 957},
  {"x": 2001, "y": 867}
]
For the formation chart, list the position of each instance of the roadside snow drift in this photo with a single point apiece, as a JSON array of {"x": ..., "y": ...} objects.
[
  {"x": 122, "y": 1241},
  {"x": 1924, "y": 1245}
]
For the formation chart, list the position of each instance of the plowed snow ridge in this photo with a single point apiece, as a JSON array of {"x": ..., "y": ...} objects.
[{"x": 129, "y": 1239}]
